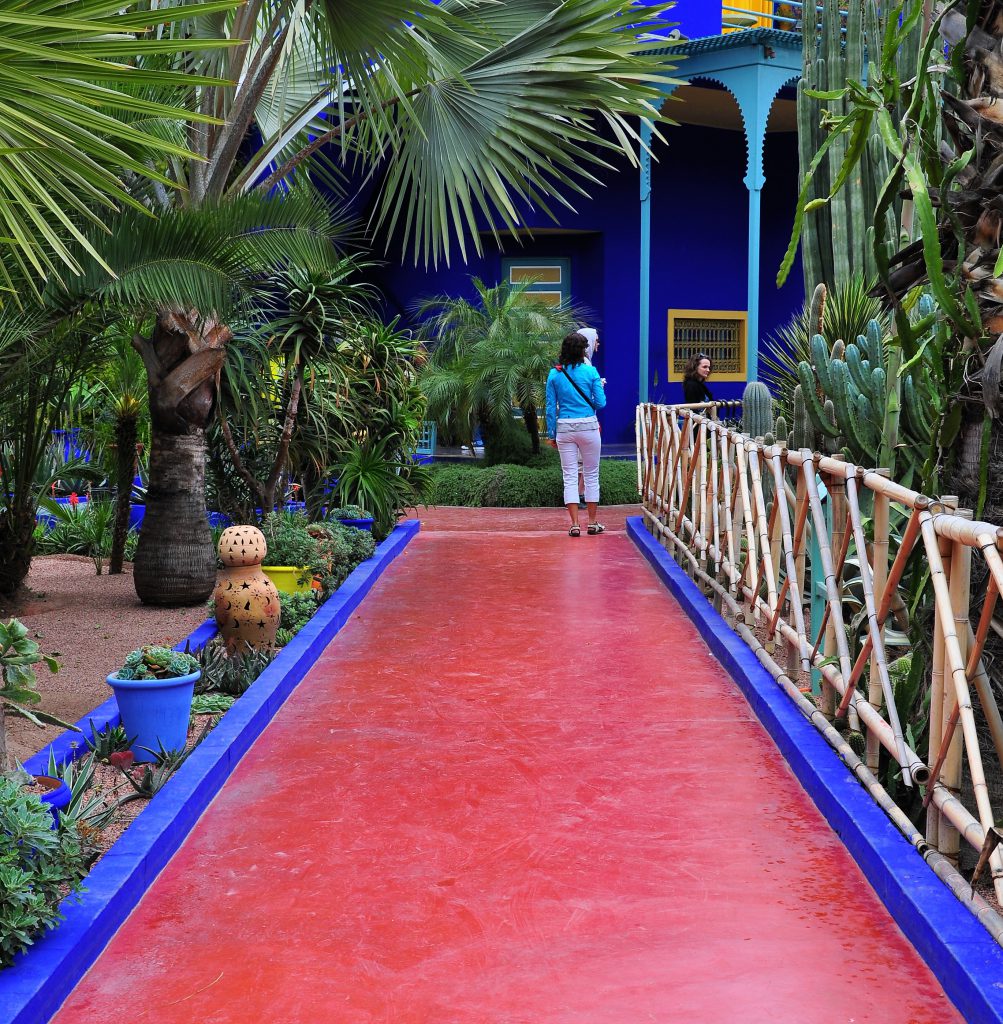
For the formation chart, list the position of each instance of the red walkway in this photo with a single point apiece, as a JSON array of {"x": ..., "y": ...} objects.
[{"x": 500, "y": 798}]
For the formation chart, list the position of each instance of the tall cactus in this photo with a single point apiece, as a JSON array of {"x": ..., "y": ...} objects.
[
  {"x": 757, "y": 409},
  {"x": 852, "y": 397},
  {"x": 837, "y": 238}
]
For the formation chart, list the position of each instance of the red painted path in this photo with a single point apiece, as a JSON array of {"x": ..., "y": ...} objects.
[{"x": 516, "y": 790}]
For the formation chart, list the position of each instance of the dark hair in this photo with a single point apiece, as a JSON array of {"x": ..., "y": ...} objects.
[
  {"x": 573, "y": 350},
  {"x": 690, "y": 370}
]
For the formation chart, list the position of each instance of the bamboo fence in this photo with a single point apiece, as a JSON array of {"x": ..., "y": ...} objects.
[{"x": 739, "y": 516}]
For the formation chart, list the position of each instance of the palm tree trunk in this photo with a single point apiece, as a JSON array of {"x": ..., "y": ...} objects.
[
  {"x": 17, "y": 544},
  {"x": 125, "y": 471},
  {"x": 175, "y": 562}
]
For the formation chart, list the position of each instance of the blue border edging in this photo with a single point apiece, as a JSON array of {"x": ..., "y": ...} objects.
[
  {"x": 961, "y": 953},
  {"x": 34, "y": 988}
]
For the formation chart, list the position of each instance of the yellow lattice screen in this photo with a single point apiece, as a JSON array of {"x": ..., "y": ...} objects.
[{"x": 719, "y": 334}]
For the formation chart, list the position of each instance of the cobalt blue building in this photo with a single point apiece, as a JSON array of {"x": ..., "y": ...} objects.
[{"x": 682, "y": 255}]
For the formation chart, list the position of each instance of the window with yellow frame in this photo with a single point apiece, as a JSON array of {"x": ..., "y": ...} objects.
[{"x": 719, "y": 334}]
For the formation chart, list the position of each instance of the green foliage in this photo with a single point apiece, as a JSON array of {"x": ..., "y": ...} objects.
[
  {"x": 372, "y": 475},
  {"x": 154, "y": 662},
  {"x": 19, "y": 655},
  {"x": 111, "y": 740},
  {"x": 83, "y": 529},
  {"x": 212, "y": 703},
  {"x": 298, "y": 610},
  {"x": 38, "y": 865},
  {"x": 85, "y": 811},
  {"x": 506, "y": 443},
  {"x": 844, "y": 164},
  {"x": 487, "y": 356},
  {"x": 526, "y": 487},
  {"x": 348, "y": 512},
  {"x": 838, "y": 313},
  {"x": 289, "y": 541},
  {"x": 283, "y": 637},
  {"x": 148, "y": 779},
  {"x": 230, "y": 673},
  {"x": 342, "y": 548}
]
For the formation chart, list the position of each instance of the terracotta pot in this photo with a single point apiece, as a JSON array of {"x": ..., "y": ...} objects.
[{"x": 245, "y": 600}]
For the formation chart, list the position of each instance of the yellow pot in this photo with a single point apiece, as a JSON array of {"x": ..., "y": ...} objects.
[{"x": 287, "y": 578}]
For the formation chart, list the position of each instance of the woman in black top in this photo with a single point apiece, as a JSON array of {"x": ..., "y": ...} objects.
[{"x": 695, "y": 376}]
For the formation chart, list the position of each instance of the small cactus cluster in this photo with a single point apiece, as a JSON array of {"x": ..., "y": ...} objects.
[
  {"x": 852, "y": 398},
  {"x": 154, "y": 662}
]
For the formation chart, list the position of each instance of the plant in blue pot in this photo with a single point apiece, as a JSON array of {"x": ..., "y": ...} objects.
[
  {"x": 352, "y": 515},
  {"x": 154, "y": 691}
]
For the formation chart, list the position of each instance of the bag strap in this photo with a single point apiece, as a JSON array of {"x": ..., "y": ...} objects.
[{"x": 577, "y": 388}]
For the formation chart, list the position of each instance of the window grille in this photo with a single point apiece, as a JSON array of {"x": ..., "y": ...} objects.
[{"x": 716, "y": 333}]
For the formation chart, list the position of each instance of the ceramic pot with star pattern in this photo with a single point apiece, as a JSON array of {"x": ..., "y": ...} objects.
[{"x": 245, "y": 599}]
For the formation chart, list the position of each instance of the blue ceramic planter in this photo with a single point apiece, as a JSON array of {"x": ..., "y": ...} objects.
[
  {"x": 359, "y": 524},
  {"x": 55, "y": 796},
  {"x": 155, "y": 712}
]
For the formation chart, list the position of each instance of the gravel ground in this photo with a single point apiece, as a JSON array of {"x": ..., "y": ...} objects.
[{"x": 91, "y": 622}]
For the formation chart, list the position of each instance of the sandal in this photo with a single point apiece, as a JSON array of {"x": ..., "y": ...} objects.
[
  {"x": 596, "y": 528},
  {"x": 575, "y": 531}
]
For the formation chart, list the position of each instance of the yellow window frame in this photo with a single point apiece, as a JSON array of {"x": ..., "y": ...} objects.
[{"x": 729, "y": 355}]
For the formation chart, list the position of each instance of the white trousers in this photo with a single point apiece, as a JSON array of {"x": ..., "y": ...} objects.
[{"x": 569, "y": 444}]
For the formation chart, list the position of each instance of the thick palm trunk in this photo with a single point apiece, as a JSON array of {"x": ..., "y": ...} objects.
[
  {"x": 175, "y": 563},
  {"x": 125, "y": 471},
  {"x": 17, "y": 543}
]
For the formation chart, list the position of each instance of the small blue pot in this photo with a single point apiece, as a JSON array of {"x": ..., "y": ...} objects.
[
  {"x": 359, "y": 524},
  {"x": 155, "y": 711},
  {"x": 55, "y": 796}
]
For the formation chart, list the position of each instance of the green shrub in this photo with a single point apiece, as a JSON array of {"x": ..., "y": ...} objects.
[
  {"x": 618, "y": 482},
  {"x": 506, "y": 443},
  {"x": 298, "y": 610},
  {"x": 538, "y": 486},
  {"x": 38, "y": 864},
  {"x": 229, "y": 673}
]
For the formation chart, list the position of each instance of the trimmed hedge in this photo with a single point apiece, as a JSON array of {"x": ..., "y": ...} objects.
[{"x": 538, "y": 486}]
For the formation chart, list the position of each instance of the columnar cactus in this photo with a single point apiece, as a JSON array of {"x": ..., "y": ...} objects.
[{"x": 757, "y": 409}]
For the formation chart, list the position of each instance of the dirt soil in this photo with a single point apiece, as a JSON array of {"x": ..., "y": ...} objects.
[{"x": 90, "y": 623}]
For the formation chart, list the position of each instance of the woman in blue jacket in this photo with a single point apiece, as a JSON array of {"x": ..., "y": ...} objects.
[{"x": 574, "y": 393}]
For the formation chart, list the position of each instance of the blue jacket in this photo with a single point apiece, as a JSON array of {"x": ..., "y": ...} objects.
[{"x": 564, "y": 401}]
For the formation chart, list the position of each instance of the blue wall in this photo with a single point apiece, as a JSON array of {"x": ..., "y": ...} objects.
[{"x": 698, "y": 256}]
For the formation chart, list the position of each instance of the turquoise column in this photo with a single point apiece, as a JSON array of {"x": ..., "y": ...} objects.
[
  {"x": 644, "y": 296},
  {"x": 752, "y": 322}
]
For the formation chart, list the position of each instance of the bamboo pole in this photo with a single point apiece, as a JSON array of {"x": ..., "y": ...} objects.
[
  {"x": 791, "y": 582},
  {"x": 764, "y": 531},
  {"x": 878, "y": 660},
  {"x": 937, "y": 829},
  {"x": 800, "y": 559},
  {"x": 722, "y": 437},
  {"x": 959, "y": 588},
  {"x": 751, "y": 557},
  {"x": 877, "y": 693},
  {"x": 954, "y": 663},
  {"x": 704, "y": 490},
  {"x": 836, "y": 632},
  {"x": 715, "y": 522}
]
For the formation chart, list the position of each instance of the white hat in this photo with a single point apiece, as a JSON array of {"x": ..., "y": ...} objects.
[{"x": 591, "y": 335}]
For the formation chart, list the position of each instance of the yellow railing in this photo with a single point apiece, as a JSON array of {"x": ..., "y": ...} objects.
[
  {"x": 739, "y": 15},
  {"x": 741, "y": 517}
]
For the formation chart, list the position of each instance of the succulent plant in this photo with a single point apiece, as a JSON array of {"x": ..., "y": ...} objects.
[{"x": 154, "y": 662}]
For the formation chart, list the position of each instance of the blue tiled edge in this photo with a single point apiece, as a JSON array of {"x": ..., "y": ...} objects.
[
  {"x": 35, "y": 986},
  {"x": 961, "y": 953}
]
